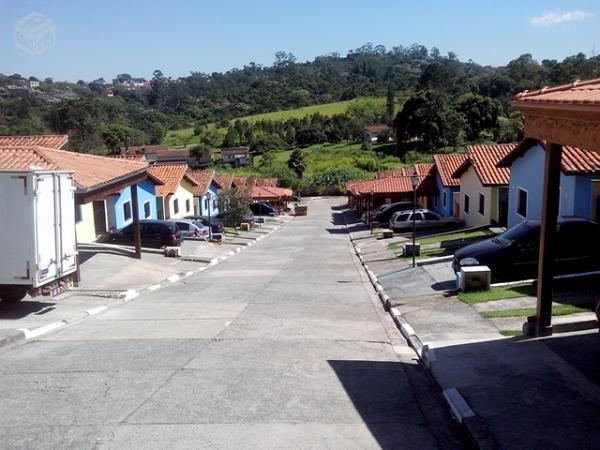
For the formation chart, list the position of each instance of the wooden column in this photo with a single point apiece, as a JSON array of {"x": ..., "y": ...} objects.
[
  {"x": 543, "y": 318},
  {"x": 137, "y": 238}
]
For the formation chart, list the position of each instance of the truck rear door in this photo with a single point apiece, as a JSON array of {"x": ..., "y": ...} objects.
[
  {"x": 66, "y": 225},
  {"x": 45, "y": 227}
]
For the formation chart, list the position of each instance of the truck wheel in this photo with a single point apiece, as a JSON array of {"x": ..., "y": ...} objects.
[{"x": 12, "y": 294}]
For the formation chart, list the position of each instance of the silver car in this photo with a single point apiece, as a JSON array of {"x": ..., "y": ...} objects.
[
  {"x": 190, "y": 229},
  {"x": 403, "y": 220}
]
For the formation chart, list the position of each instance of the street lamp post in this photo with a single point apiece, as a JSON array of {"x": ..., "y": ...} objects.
[
  {"x": 209, "y": 194},
  {"x": 371, "y": 213},
  {"x": 414, "y": 180}
]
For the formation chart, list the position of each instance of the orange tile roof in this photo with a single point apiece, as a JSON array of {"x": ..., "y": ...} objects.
[
  {"x": 244, "y": 182},
  {"x": 203, "y": 178},
  {"x": 270, "y": 193},
  {"x": 171, "y": 175},
  {"x": 55, "y": 141},
  {"x": 401, "y": 172},
  {"x": 139, "y": 158},
  {"x": 377, "y": 128},
  {"x": 580, "y": 93},
  {"x": 575, "y": 161},
  {"x": 224, "y": 180},
  {"x": 423, "y": 169},
  {"x": 448, "y": 164},
  {"x": 89, "y": 171},
  {"x": 391, "y": 185},
  {"x": 485, "y": 160},
  {"x": 268, "y": 182}
]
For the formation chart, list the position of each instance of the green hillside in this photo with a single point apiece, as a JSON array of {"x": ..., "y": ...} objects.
[{"x": 185, "y": 136}]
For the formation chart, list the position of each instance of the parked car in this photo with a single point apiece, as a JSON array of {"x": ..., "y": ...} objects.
[
  {"x": 192, "y": 230},
  {"x": 154, "y": 233},
  {"x": 216, "y": 225},
  {"x": 383, "y": 213},
  {"x": 514, "y": 254},
  {"x": 247, "y": 218},
  {"x": 262, "y": 209},
  {"x": 403, "y": 220}
]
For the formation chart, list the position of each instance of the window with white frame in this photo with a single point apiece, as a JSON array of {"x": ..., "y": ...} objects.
[
  {"x": 481, "y": 208},
  {"x": 176, "y": 206},
  {"x": 466, "y": 204},
  {"x": 147, "y": 209},
  {"x": 206, "y": 203},
  {"x": 188, "y": 205},
  {"x": 444, "y": 199},
  {"x": 522, "y": 202},
  {"x": 127, "y": 211}
]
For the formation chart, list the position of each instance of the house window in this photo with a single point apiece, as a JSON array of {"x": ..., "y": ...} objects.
[
  {"x": 214, "y": 203},
  {"x": 147, "y": 210},
  {"x": 206, "y": 203},
  {"x": 466, "y": 205},
  {"x": 188, "y": 205},
  {"x": 176, "y": 206},
  {"x": 435, "y": 202},
  {"x": 127, "y": 211},
  {"x": 444, "y": 199},
  {"x": 481, "y": 204},
  {"x": 522, "y": 202},
  {"x": 77, "y": 213}
]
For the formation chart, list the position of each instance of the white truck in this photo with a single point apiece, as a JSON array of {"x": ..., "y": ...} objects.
[{"x": 38, "y": 247}]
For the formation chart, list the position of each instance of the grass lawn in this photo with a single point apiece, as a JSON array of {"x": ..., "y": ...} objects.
[
  {"x": 498, "y": 293},
  {"x": 185, "y": 136},
  {"x": 456, "y": 236},
  {"x": 559, "y": 310},
  {"x": 511, "y": 333}
]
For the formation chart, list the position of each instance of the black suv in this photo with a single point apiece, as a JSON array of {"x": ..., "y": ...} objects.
[
  {"x": 154, "y": 233},
  {"x": 514, "y": 254}
]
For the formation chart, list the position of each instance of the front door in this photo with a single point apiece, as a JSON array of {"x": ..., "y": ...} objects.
[
  {"x": 100, "y": 216},
  {"x": 503, "y": 206}
]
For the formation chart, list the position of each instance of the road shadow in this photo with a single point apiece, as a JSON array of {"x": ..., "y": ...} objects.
[
  {"x": 24, "y": 308},
  {"x": 383, "y": 393}
]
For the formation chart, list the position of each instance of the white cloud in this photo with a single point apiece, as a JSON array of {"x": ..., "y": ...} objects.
[{"x": 555, "y": 17}]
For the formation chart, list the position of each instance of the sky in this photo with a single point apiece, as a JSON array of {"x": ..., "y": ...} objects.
[{"x": 84, "y": 39}]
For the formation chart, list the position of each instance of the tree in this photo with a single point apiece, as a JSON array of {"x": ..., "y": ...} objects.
[
  {"x": 428, "y": 116},
  {"x": 236, "y": 204},
  {"x": 481, "y": 114},
  {"x": 297, "y": 163},
  {"x": 116, "y": 137},
  {"x": 390, "y": 104}
]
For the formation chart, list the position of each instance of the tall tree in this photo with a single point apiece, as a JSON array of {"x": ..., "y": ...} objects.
[
  {"x": 297, "y": 163},
  {"x": 390, "y": 103}
]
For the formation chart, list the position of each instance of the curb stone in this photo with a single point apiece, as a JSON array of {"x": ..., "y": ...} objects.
[
  {"x": 25, "y": 334},
  {"x": 474, "y": 426}
]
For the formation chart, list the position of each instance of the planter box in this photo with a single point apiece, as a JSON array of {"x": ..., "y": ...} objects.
[
  {"x": 475, "y": 278},
  {"x": 408, "y": 249},
  {"x": 387, "y": 234},
  {"x": 300, "y": 210},
  {"x": 245, "y": 226},
  {"x": 173, "y": 252}
]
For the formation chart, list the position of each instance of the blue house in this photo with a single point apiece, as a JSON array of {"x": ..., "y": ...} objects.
[
  {"x": 447, "y": 186},
  {"x": 579, "y": 182},
  {"x": 119, "y": 210},
  {"x": 205, "y": 193}
]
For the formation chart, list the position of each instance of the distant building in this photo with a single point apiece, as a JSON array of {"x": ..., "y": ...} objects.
[
  {"x": 236, "y": 156},
  {"x": 34, "y": 83},
  {"x": 371, "y": 133},
  {"x": 160, "y": 154}
]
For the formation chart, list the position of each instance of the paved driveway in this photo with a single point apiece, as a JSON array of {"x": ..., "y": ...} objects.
[{"x": 282, "y": 346}]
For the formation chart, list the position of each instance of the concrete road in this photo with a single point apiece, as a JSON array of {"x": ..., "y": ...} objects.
[{"x": 282, "y": 346}]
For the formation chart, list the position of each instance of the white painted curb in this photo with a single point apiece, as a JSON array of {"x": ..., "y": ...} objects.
[{"x": 459, "y": 406}]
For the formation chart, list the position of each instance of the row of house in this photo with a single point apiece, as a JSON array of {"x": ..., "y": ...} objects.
[
  {"x": 499, "y": 184},
  {"x": 110, "y": 190},
  {"x": 234, "y": 156}
]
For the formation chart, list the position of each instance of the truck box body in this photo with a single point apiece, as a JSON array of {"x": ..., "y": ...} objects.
[{"x": 37, "y": 227}]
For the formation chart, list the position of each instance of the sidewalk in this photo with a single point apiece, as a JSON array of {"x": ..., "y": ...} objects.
[{"x": 507, "y": 392}]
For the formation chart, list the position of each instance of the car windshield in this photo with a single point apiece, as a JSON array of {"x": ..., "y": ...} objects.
[{"x": 514, "y": 234}]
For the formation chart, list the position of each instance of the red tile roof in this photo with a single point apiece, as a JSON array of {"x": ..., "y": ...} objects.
[
  {"x": 446, "y": 165},
  {"x": 485, "y": 159},
  {"x": 89, "y": 171},
  {"x": 575, "y": 161},
  {"x": 401, "y": 172},
  {"x": 142, "y": 149},
  {"x": 243, "y": 151},
  {"x": 224, "y": 180},
  {"x": 139, "y": 158},
  {"x": 55, "y": 141},
  {"x": 580, "y": 92},
  {"x": 203, "y": 178},
  {"x": 267, "y": 182},
  {"x": 377, "y": 128},
  {"x": 171, "y": 175},
  {"x": 239, "y": 182},
  {"x": 391, "y": 186},
  {"x": 270, "y": 193},
  {"x": 423, "y": 169}
]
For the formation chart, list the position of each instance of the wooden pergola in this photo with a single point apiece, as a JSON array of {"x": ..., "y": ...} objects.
[{"x": 563, "y": 115}]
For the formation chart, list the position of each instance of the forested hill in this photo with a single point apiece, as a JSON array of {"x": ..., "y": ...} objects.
[{"x": 85, "y": 110}]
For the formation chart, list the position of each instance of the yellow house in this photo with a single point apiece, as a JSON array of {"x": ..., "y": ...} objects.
[
  {"x": 483, "y": 198},
  {"x": 175, "y": 197}
]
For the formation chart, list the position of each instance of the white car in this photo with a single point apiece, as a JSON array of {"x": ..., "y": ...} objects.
[{"x": 403, "y": 220}]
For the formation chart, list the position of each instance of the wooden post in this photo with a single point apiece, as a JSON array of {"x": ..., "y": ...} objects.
[
  {"x": 137, "y": 238},
  {"x": 543, "y": 318}
]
